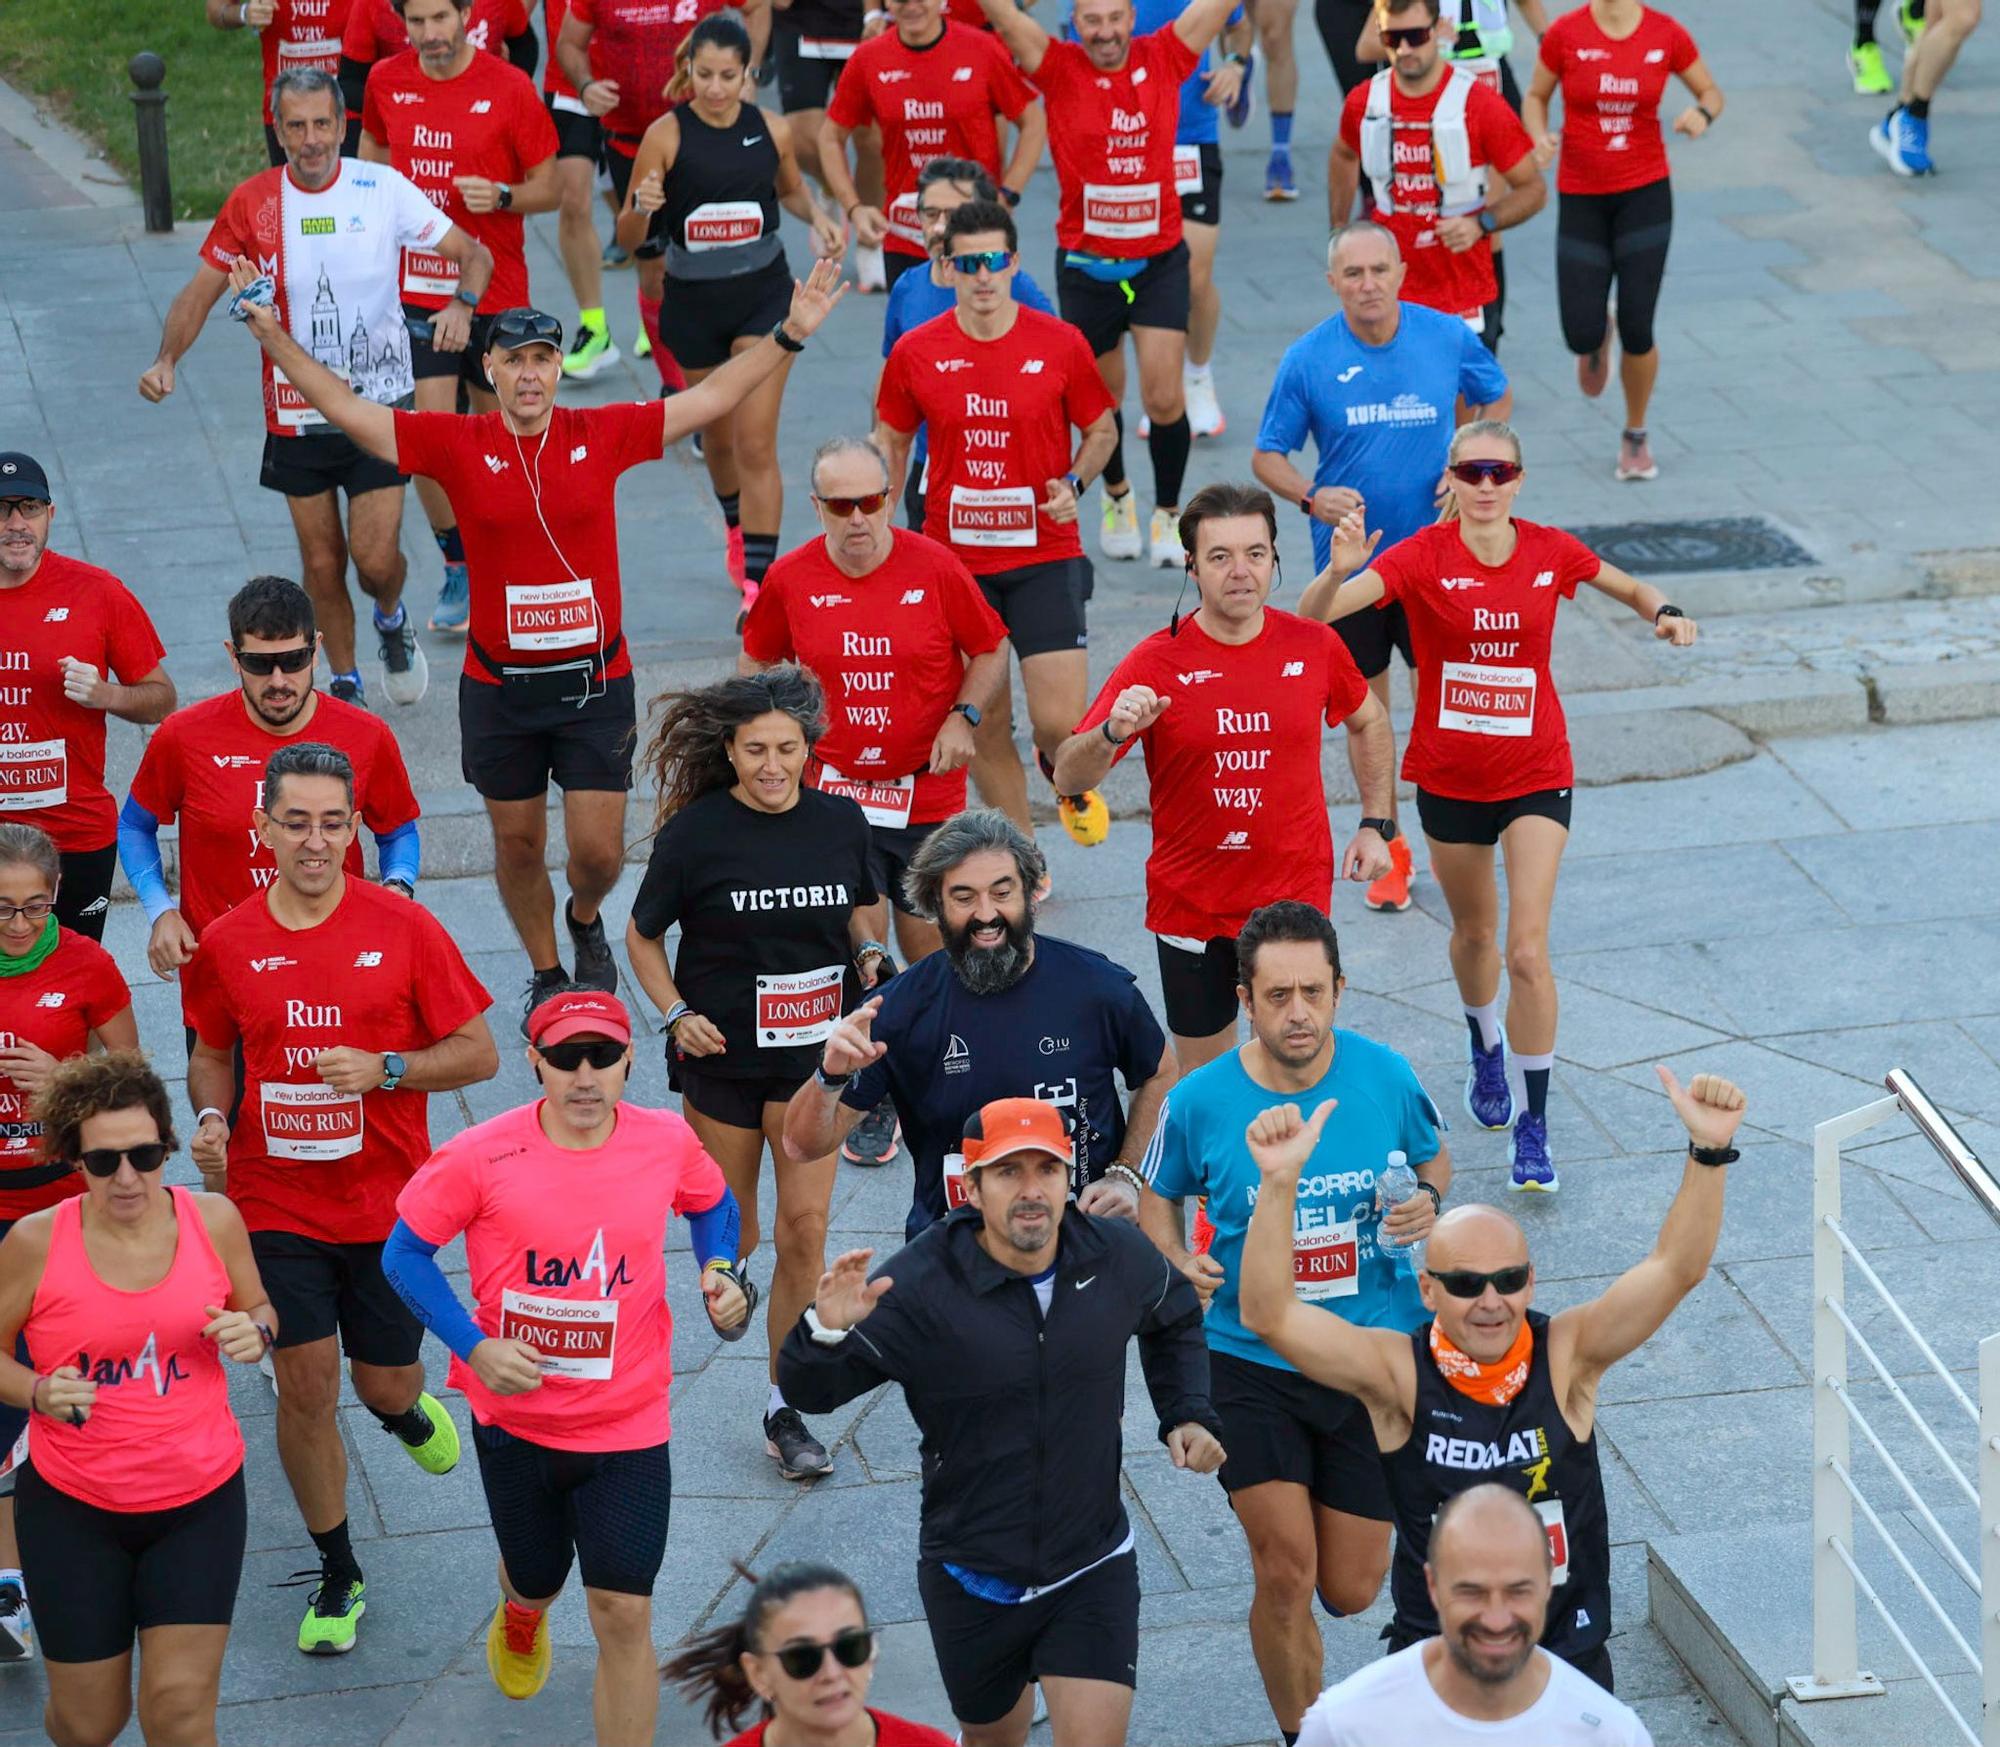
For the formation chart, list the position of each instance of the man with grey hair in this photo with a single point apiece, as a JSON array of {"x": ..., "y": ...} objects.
[
  {"x": 1001, "y": 1012},
  {"x": 1375, "y": 386},
  {"x": 325, "y": 235}
]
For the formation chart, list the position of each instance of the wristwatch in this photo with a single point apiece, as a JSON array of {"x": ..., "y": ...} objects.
[
  {"x": 1011, "y": 196},
  {"x": 1383, "y": 828},
  {"x": 393, "y": 1070},
  {"x": 505, "y": 198},
  {"x": 1713, "y": 1155},
  {"x": 1487, "y": 222},
  {"x": 465, "y": 297},
  {"x": 1306, "y": 503},
  {"x": 1668, "y": 611},
  {"x": 820, "y": 1333},
  {"x": 1075, "y": 481},
  {"x": 783, "y": 335},
  {"x": 969, "y": 711},
  {"x": 395, "y": 885}
]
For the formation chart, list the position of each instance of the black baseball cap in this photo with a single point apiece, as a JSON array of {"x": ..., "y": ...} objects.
[
  {"x": 22, "y": 476},
  {"x": 515, "y": 328}
]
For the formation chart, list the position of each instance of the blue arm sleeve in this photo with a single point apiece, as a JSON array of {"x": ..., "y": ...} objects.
[
  {"x": 139, "y": 855},
  {"x": 716, "y": 1231},
  {"x": 410, "y": 1265},
  {"x": 401, "y": 852}
]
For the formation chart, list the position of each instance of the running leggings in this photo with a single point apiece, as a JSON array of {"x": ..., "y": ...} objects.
[
  {"x": 1602, "y": 239},
  {"x": 605, "y": 1511}
]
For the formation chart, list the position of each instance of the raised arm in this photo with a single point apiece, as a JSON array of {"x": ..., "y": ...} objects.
[
  {"x": 816, "y": 1121},
  {"x": 372, "y": 426},
  {"x": 818, "y": 1375},
  {"x": 1086, "y": 757},
  {"x": 1026, "y": 40},
  {"x": 1201, "y": 21}
]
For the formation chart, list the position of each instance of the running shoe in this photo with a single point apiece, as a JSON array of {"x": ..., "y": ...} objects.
[
  {"x": 751, "y": 590},
  {"x": 1085, "y": 817},
  {"x": 1164, "y": 539},
  {"x": 454, "y": 603},
  {"x": 799, "y": 1455},
  {"x": 595, "y": 967},
  {"x": 1635, "y": 458},
  {"x": 1904, "y": 143},
  {"x": 591, "y": 353},
  {"x": 1245, "y": 99},
  {"x": 518, "y": 1650},
  {"x": 1871, "y": 78},
  {"x": 436, "y": 1452},
  {"x": 1279, "y": 182},
  {"x": 1392, "y": 891},
  {"x": 1119, "y": 535},
  {"x": 1489, "y": 1100},
  {"x": 333, "y": 1611},
  {"x": 751, "y": 1294},
  {"x": 1593, "y": 369},
  {"x": 541, "y": 985},
  {"x": 733, "y": 557},
  {"x": 348, "y": 691},
  {"x": 869, "y": 272},
  {"x": 1528, "y": 1155},
  {"x": 614, "y": 257},
  {"x": 874, "y": 1139},
  {"x": 1910, "y": 21},
  {"x": 1204, "y": 411},
  {"x": 642, "y": 347},
  {"x": 406, "y": 675},
  {"x": 17, "y": 1628}
]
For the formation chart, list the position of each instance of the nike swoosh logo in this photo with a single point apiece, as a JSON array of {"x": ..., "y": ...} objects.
[
  {"x": 1349, "y": 374},
  {"x": 753, "y": 139},
  {"x": 1085, "y": 1281}
]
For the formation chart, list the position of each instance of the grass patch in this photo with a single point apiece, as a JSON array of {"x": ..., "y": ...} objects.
[{"x": 73, "y": 53}]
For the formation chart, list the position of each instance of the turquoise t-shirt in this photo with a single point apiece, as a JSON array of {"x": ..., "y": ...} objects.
[{"x": 1199, "y": 1149}]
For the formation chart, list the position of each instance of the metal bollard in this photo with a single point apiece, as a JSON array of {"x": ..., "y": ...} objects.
[{"x": 148, "y": 72}]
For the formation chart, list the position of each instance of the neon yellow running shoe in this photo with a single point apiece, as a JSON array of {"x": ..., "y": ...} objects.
[
  {"x": 1910, "y": 20},
  {"x": 332, "y": 1615},
  {"x": 1085, "y": 817},
  {"x": 437, "y": 1451},
  {"x": 518, "y": 1651},
  {"x": 1871, "y": 77}
]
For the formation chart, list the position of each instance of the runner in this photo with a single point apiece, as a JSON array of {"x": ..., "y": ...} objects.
[
  {"x": 1004, "y": 487},
  {"x": 1233, "y": 762},
  {"x": 579, "y": 146},
  {"x": 1484, "y": 1681},
  {"x": 1000, "y": 1008},
  {"x": 60, "y": 994},
  {"x": 811, "y": 43},
  {"x": 1493, "y": 764},
  {"x": 467, "y": 130},
  {"x": 1373, "y": 387},
  {"x": 376, "y": 30},
  {"x": 1340, "y": 24},
  {"x": 71, "y": 627},
  {"x": 343, "y": 1076},
  {"x": 1903, "y": 136},
  {"x": 566, "y": 1359},
  {"x": 562, "y": 706},
  {"x": 934, "y": 89},
  {"x": 1432, "y": 140},
  {"x": 1616, "y": 212},
  {"x": 773, "y": 1657},
  {"x": 294, "y": 33},
  {"x": 708, "y": 181},
  {"x": 1303, "y": 1476},
  {"x": 129, "y": 1296},
  {"x": 205, "y": 767},
  {"x": 1864, "y": 56},
  {"x": 324, "y": 238},
  {"x": 1026, "y": 1562},
  {"x": 1121, "y": 263},
  {"x": 1496, "y": 1375},
  {"x": 769, "y": 881}
]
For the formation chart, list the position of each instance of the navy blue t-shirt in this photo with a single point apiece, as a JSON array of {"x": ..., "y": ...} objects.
[{"x": 1060, "y": 1034}]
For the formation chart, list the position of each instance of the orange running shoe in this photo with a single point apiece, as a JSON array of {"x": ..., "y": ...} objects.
[
  {"x": 1204, "y": 1228},
  {"x": 1392, "y": 890}
]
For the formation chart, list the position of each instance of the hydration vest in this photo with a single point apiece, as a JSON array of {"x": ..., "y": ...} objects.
[
  {"x": 1483, "y": 35},
  {"x": 1461, "y": 184}
]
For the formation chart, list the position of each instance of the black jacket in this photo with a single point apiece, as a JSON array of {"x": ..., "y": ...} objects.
[{"x": 1019, "y": 1416}]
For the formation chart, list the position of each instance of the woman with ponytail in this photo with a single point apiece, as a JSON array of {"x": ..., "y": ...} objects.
[{"x": 1489, "y": 752}]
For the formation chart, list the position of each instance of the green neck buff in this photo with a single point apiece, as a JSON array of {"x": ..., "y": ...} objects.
[{"x": 10, "y": 966}]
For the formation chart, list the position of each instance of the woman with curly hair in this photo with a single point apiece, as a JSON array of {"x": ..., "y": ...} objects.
[{"x": 767, "y": 878}]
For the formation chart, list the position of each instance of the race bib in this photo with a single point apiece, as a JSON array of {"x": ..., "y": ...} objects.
[
  {"x": 798, "y": 1006},
  {"x": 574, "y": 1336},
  {"x": 723, "y": 224},
  {"x": 310, "y": 1122},
  {"x": 33, "y": 774},
  {"x": 551, "y": 615},
  {"x": 903, "y": 219},
  {"x": 883, "y": 800},
  {"x": 1004, "y": 516},
  {"x": 1550, "y": 1510},
  {"x": 954, "y": 1181},
  {"x": 1325, "y": 1263},
  {"x": 321, "y": 52},
  {"x": 1121, "y": 211},
  {"x": 428, "y": 275},
  {"x": 1187, "y": 169},
  {"x": 825, "y": 48},
  {"x": 288, "y": 406},
  {"x": 1487, "y": 700}
]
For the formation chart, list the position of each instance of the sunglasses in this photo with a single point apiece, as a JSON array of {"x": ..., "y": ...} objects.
[
  {"x": 851, "y": 1649},
  {"x": 992, "y": 260},
  {"x": 1408, "y": 37},
  {"x": 844, "y": 507},
  {"x": 1464, "y": 1283},
  {"x": 514, "y": 328},
  {"x": 278, "y": 661},
  {"x": 566, "y": 1058},
  {"x": 35, "y": 909},
  {"x": 103, "y": 1161},
  {"x": 1485, "y": 472}
]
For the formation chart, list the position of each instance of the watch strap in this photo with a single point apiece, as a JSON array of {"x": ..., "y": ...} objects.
[
  {"x": 1713, "y": 1155},
  {"x": 1383, "y": 828},
  {"x": 824, "y": 1336}
]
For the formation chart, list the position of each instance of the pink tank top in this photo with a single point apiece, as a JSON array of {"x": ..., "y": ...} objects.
[{"x": 160, "y": 1433}]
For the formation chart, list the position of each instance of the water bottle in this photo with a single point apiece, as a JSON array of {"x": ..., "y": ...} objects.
[{"x": 1394, "y": 1185}]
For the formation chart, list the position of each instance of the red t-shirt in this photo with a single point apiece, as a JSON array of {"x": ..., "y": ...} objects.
[
  {"x": 554, "y": 80},
  {"x": 55, "y": 1006},
  {"x": 488, "y": 121},
  {"x": 1488, "y": 723},
  {"x": 1232, "y": 765},
  {"x": 934, "y": 102},
  {"x": 301, "y": 34},
  {"x": 205, "y": 766},
  {"x": 1438, "y": 279},
  {"x": 633, "y": 42},
  {"x": 541, "y": 540},
  {"x": 51, "y": 750},
  {"x": 889, "y": 1732},
  {"x": 375, "y": 28},
  {"x": 1112, "y": 138},
  {"x": 999, "y": 414},
  {"x": 1611, "y": 91},
  {"x": 891, "y": 649},
  {"x": 380, "y": 973}
]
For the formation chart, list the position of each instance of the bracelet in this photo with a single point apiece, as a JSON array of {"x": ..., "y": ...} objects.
[
  {"x": 270, "y": 1338},
  {"x": 679, "y": 1011},
  {"x": 824, "y": 1336},
  {"x": 243, "y": 19},
  {"x": 1123, "y": 1171},
  {"x": 848, "y": 210},
  {"x": 832, "y": 1082},
  {"x": 34, "y": 1388},
  {"x": 1105, "y": 726},
  {"x": 208, "y": 1110},
  {"x": 1436, "y": 1194},
  {"x": 782, "y": 335},
  {"x": 870, "y": 946}
]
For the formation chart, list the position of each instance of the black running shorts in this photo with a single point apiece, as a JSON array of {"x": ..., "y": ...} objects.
[
  {"x": 1451, "y": 821},
  {"x": 324, "y": 461},
  {"x": 606, "y": 1511},
  {"x": 1204, "y": 205},
  {"x": 322, "y": 1289},
  {"x": 577, "y": 136},
  {"x": 1198, "y": 989},
  {"x": 1157, "y": 295},
  {"x": 509, "y": 750},
  {"x": 1278, "y": 1425},
  {"x": 891, "y": 848},
  {"x": 1373, "y": 634},
  {"x": 1042, "y": 605},
  {"x": 804, "y": 81},
  {"x": 702, "y": 319},
  {"x": 736, "y": 1103}
]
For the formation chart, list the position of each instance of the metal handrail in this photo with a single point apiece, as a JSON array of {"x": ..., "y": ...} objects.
[{"x": 1931, "y": 1124}]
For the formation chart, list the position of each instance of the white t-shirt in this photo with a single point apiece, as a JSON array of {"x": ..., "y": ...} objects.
[{"x": 1391, "y": 1703}]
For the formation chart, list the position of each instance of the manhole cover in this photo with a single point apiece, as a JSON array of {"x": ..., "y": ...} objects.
[{"x": 1677, "y": 548}]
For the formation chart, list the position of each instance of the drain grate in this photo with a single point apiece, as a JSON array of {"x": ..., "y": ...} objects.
[{"x": 1679, "y": 548}]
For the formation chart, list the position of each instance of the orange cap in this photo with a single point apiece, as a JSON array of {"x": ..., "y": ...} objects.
[{"x": 1015, "y": 1125}]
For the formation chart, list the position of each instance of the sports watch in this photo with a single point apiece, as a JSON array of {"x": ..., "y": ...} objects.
[
  {"x": 1668, "y": 611},
  {"x": 505, "y": 198},
  {"x": 393, "y": 1070},
  {"x": 1487, "y": 222},
  {"x": 1383, "y": 828},
  {"x": 1713, "y": 1155},
  {"x": 969, "y": 711}
]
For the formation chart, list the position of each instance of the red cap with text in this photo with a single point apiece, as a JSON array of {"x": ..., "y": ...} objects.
[{"x": 580, "y": 1013}]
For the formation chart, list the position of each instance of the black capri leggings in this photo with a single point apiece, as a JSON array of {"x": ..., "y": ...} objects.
[{"x": 1602, "y": 238}]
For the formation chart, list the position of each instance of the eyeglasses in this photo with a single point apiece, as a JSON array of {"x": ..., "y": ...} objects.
[
  {"x": 992, "y": 260},
  {"x": 35, "y": 909},
  {"x": 32, "y": 508},
  {"x": 851, "y": 1649},
  {"x": 1409, "y": 37},
  {"x": 843, "y": 507},
  {"x": 262, "y": 666},
  {"x": 1464, "y": 1283},
  {"x": 298, "y": 830},
  {"x": 1485, "y": 472},
  {"x": 103, "y": 1161},
  {"x": 566, "y": 1058}
]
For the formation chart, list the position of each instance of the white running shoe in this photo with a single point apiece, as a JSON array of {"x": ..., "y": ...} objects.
[
  {"x": 1119, "y": 535},
  {"x": 406, "y": 675},
  {"x": 1204, "y": 411},
  {"x": 869, "y": 273},
  {"x": 17, "y": 1628},
  {"x": 1167, "y": 550}
]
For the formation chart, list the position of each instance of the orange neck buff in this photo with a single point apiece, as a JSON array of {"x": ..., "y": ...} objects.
[{"x": 1495, "y": 1384}]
